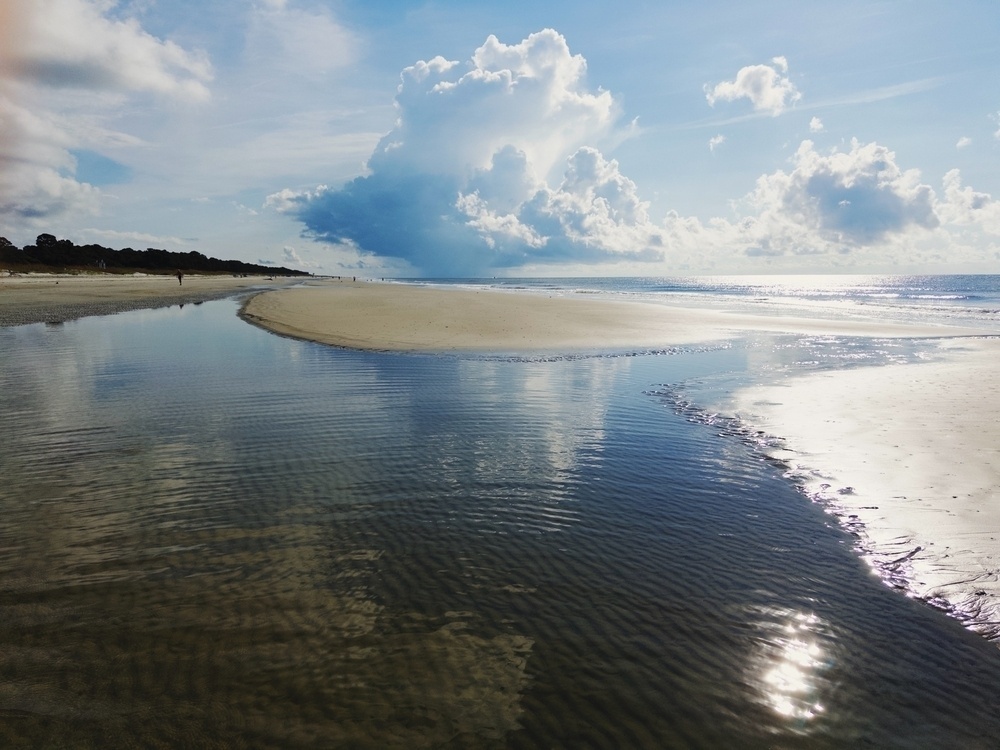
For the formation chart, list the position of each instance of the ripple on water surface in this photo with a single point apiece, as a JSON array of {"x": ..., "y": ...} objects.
[{"x": 217, "y": 537}]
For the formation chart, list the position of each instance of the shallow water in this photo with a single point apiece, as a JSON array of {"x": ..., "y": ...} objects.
[{"x": 216, "y": 537}]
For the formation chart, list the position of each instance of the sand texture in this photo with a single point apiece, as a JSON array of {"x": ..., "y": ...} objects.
[
  {"x": 49, "y": 298},
  {"x": 912, "y": 453},
  {"x": 399, "y": 317}
]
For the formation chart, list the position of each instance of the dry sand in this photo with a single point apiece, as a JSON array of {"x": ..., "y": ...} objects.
[
  {"x": 44, "y": 298},
  {"x": 400, "y": 317},
  {"x": 912, "y": 452}
]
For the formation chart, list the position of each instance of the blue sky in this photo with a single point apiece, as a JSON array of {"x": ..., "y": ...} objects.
[{"x": 456, "y": 138}]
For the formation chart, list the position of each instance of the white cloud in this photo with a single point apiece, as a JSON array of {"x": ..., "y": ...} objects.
[
  {"x": 839, "y": 201},
  {"x": 815, "y": 125},
  {"x": 963, "y": 206},
  {"x": 716, "y": 140},
  {"x": 531, "y": 95},
  {"x": 34, "y": 165},
  {"x": 767, "y": 87},
  {"x": 74, "y": 44},
  {"x": 67, "y": 61},
  {"x": 595, "y": 212},
  {"x": 963, "y": 142},
  {"x": 496, "y": 163},
  {"x": 292, "y": 256},
  {"x": 844, "y": 209}
]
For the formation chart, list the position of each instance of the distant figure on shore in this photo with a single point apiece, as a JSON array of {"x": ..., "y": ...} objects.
[{"x": 180, "y": 278}]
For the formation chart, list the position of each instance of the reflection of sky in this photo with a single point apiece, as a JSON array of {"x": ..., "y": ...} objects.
[{"x": 177, "y": 390}]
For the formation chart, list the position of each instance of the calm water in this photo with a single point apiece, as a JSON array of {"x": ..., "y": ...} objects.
[{"x": 216, "y": 537}]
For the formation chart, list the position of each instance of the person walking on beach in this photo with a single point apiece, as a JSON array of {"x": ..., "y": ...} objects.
[{"x": 180, "y": 278}]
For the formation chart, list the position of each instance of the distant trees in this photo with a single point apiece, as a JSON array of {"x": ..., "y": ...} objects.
[
  {"x": 51, "y": 253},
  {"x": 9, "y": 252}
]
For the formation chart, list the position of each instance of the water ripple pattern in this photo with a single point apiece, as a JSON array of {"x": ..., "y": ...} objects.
[{"x": 216, "y": 537}]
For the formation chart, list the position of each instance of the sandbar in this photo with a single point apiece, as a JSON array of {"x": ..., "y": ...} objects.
[
  {"x": 405, "y": 317},
  {"x": 49, "y": 298}
]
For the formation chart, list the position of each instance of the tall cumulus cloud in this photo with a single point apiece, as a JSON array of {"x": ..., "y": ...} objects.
[{"x": 492, "y": 163}]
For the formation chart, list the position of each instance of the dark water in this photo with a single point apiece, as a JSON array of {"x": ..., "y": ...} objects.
[{"x": 214, "y": 537}]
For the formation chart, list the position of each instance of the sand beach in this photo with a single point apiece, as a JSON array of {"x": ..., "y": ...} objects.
[
  {"x": 399, "y": 317},
  {"x": 912, "y": 452},
  {"x": 48, "y": 298}
]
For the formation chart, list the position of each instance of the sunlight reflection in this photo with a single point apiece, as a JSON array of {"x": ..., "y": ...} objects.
[{"x": 791, "y": 666}]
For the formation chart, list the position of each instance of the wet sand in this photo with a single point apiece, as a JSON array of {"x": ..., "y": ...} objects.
[
  {"x": 912, "y": 452},
  {"x": 50, "y": 298}
]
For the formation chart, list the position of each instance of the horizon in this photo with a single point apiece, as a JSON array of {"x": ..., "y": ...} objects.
[{"x": 435, "y": 139}]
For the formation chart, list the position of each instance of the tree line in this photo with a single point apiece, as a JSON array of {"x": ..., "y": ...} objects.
[{"x": 49, "y": 253}]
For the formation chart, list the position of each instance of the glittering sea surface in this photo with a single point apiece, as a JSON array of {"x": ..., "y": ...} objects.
[{"x": 214, "y": 537}]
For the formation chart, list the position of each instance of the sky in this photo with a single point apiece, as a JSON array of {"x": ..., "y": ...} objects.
[{"x": 404, "y": 138}]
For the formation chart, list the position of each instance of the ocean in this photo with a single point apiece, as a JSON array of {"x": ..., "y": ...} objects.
[
  {"x": 212, "y": 536},
  {"x": 966, "y": 300}
]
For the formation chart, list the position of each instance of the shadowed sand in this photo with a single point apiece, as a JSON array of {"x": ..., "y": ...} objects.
[
  {"x": 46, "y": 298},
  {"x": 398, "y": 317}
]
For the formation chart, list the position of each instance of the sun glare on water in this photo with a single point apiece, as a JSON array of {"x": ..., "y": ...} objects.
[{"x": 791, "y": 666}]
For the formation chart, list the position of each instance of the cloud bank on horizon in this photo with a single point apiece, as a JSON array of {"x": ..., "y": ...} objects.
[{"x": 510, "y": 159}]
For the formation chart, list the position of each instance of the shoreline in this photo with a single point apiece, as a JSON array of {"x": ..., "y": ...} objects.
[
  {"x": 57, "y": 298},
  {"x": 907, "y": 456}
]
